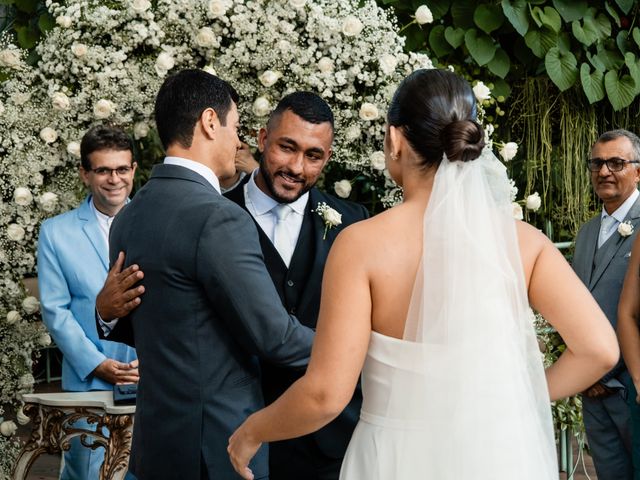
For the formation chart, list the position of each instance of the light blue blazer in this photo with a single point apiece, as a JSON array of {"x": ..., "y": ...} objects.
[{"x": 72, "y": 267}]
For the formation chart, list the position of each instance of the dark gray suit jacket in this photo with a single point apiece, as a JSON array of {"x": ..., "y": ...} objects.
[
  {"x": 603, "y": 274},
  {"x": 210, "y": 310}
]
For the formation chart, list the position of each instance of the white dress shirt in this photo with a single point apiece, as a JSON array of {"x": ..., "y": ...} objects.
[
  {"x": 260, "y": 206},
  {"x": 104, "y": 222},
  {"x": 619, "y": 216},
  {"x": 197, "y": 167}
]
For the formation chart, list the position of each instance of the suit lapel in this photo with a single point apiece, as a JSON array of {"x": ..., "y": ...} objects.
[
  {"x": 590, "y": 246},
  {"x": 613, "y": 244},
  {"x": 91, "y": 229}
]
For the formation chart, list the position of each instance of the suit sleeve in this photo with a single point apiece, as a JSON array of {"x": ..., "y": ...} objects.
[
  {"x": 231, "y": 269},
  {"x": 82, "y": 354}
]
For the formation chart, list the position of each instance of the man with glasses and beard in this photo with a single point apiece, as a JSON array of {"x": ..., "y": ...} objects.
[
  {"x": 603, "y": 249},
  {"x": 72, "y": 265}
]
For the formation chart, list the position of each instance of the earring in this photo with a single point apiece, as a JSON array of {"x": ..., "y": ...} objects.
[{"x": 394, "y": 157}]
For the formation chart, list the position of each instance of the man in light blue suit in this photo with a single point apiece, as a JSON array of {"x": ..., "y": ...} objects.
[{"x": 72, "y": 266}]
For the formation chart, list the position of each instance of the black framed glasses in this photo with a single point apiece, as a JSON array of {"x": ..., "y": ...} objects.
[
  {"x": 107, "y": 172},
  {"x": 614, "y": 164}
]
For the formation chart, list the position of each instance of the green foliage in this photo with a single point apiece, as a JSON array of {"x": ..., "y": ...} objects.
[
  {"x": 593, "y": 46},
  {"x": 26, "y": 21}
]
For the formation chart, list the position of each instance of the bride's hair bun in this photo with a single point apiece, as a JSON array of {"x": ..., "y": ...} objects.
[{"x": 462, "y": 140}]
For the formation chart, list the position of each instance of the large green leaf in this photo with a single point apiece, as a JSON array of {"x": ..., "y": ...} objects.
[
  {"x": 549, "y": 17},
  {"x": 438, "y": 43},
  {"x": 46, "y": 22},
  {"x": 462, "y": 13},
  {"x": 501, "y": 88},
  {"x": 455, "y": 36},
  {"x": 596, "y": 62},
  {"x": 488, "y": 17},
  {"x": 609, "y": 55},
  {"x": 27, "y": 37},
  {"x": 540, "y": 41},
  {"x": 591, "y": 29},
  {"x": 480, "y": 46},
  {"x": 571, "y": 10},
  {"x": 517, "y": 13},
  {"x": 592, "y": 83},
  {"x": 500, "y": 64},
  {"x": 636, "y": 35},
  {"x": 561, "y": 68},
  {"x": 439, "y": 8},
  {"x": 625, "y": 5},
  {"x": 633, "y": 64},
  {"x": 623, "y": 41},
  {"x": 612, "y": 12},
  {"x": 620, "y": 90}
]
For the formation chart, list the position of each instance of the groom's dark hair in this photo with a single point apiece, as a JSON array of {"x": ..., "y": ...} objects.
[
  {"x": 181, "y": 100},
  {"x": 306, "y": 105}
]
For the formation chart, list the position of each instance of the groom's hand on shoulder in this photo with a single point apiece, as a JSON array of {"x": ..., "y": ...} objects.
[{"x": 119, "y": 294}]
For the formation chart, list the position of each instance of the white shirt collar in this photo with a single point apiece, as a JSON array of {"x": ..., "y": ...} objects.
[
  {"x": 263, "y": 203},
  {"x": 621, "y": 212},
  {"x": 197, "y": 167}
]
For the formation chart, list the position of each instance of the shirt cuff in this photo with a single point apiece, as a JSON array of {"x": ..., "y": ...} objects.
[{"x": 106, "y": 326}]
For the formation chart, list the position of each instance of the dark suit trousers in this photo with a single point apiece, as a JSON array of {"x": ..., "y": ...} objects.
[{"x": 300, "y": 458}]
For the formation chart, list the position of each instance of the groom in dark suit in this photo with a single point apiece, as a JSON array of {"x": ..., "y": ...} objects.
[
  {"x": 601, "y": 257},
  {"x": 210, "y": 309},
  {"x": 295, "y": 147}
]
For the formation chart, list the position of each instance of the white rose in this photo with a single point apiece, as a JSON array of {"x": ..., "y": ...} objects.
[
  {"x": 342, "y": 188},
  {"x": 353, "y": 133},
  {"x": 377, "y": 161},
  {"x": 8, "y": 428},
  {"x": 625, "y": 229},
  {"x": 48, "y": 201},
  {"x": 103, "y": 109},
  {"x": 10, "y": 58},
  {"x": 517, "y": 211},
  {"x": 217, "y": 8},
  {"x": 533, "y": 202},
  {"x": 22, "y": 196},
  {"x": 297, "y": 3},
  {"x": 368, "y": 111},
  {"x": 508, "y": 151},
  {"x": 64, "y": 21},
  {"x": 73, "y": 148},
  {"x": 1, "y": 108},
  {"x": 30, "y": 305},
  {"x": 164, "y": 63},
  {"x": 22, "y": 417},
  {"x": 261, "y": 107},
  {"x": 48, "y": 135},
  {"x": 12, "y": 317},
  {"x": 79, "y": 49},
  {"x": 15, "y": 232},
  {"x": 423, "y": 15},
  {"x": 352, "y": 26},
  {"x": 388, "y": 63},
  {"x": 269, "y": 77},
  {"x": 332, "y": 217},
  {"x": 325, "y": 65},
  {"x": 210, "y": 70},
  {"x": 205, "y": 37},
  {"x": 44, "y": 340},
  {"x": 60, "y": 101},
  {"x": 26, "y": 381},
  {"x": 140, "y": 130},
  {"x": 140, "y": 6},
  {"x": 481, "y": 91}
]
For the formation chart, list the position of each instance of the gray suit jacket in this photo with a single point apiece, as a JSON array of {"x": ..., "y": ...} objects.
[
  {"x": 209, "y": 311},
  {"x": 604, "y": 273}
]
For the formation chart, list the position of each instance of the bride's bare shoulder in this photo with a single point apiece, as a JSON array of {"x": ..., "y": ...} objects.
[{"x": 372, "y": 231}]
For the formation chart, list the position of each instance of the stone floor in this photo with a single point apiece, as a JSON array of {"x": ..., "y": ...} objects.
[{"x": 46, "y": 466}]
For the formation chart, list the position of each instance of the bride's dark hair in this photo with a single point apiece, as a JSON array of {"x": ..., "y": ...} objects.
[{"x": 436, "y": 111}]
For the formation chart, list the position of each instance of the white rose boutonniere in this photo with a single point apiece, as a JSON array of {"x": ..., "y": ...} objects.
[
  {"x": 625, "y": 229},
  {"x": 330, "y": 217}
]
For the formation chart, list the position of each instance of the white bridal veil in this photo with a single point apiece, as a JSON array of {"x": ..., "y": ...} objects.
[{"x": 483, "y": 398}]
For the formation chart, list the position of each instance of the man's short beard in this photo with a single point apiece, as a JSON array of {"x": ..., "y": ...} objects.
[{"x": 268, "y": 180}]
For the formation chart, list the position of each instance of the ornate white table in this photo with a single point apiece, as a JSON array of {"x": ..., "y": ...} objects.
[{"x": 52, "y": 415}]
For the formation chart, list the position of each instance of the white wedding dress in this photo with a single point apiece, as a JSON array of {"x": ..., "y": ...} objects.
[{"x": 463, "y": 395}]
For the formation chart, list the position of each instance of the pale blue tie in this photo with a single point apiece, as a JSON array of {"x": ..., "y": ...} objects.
[
  {"x": 606, "y": 225},
  {"x": 281, "y": 238}
]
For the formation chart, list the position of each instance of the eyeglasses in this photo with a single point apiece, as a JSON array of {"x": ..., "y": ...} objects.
[
  {"x": 107, "y": 172},
  {"x": 614, "y": 164}
]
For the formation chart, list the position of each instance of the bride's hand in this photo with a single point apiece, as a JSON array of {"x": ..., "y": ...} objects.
[{"x": 241, "y": 450}]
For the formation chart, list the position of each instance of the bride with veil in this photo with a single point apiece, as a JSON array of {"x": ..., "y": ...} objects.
[{"x": 430, "y": 301}]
